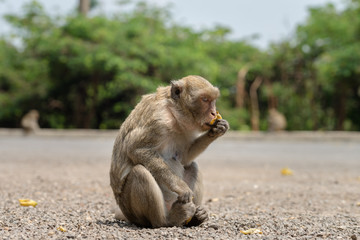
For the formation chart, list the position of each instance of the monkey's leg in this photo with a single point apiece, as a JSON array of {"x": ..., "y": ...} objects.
[
  {"x": 193, "y": 178},
  {"x": 141, "y": 200}
]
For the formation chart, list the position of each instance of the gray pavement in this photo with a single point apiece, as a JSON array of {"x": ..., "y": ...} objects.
[{"x": 66, "y": 172}]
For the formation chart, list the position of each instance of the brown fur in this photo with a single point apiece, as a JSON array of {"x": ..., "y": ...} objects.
[
  {"x": 153, "y": 176},
  {"x": 29, "y": 122},
  {"x": 276, "y": 120}
]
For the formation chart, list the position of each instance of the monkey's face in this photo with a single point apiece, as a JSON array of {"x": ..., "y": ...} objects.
[
  {"x": 197, "y": 96},
  {"x": 203, "y": 107},
  {"x": 206, "y": 111},
  {"x": 34, "y": 114}
]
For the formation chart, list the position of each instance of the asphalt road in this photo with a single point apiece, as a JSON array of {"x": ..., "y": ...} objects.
[{"x": 68, "y": 177}]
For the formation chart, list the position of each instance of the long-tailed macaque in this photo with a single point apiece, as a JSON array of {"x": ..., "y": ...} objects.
[
  {"x": 153, "y": 175},
  {"x": 276, "y": 120},
  {"x": 29, "y": 122}
]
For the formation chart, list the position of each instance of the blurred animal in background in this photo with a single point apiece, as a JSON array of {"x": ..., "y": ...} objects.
[
  {"x": 276, "y": 120},
  {"x": 155, "y": 181},
  {"x": 29, "y": 122}
]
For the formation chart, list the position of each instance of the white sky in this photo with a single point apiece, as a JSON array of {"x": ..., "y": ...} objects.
[{"x": 271, "y": 20}]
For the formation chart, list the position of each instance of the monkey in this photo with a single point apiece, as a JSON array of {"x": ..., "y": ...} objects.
[
  {"x": 276, "y": 120},
  {"x": 29, "y": 122},
  {"x": 153, "y": 175}
]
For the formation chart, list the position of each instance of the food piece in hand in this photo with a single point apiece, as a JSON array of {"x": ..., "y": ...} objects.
[
  {"x": 218, "y": 116},
  {"x": 187, "y": 221}
]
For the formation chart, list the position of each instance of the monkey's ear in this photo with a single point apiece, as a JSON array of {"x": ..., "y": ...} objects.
[{"x": 176, "y": 89}]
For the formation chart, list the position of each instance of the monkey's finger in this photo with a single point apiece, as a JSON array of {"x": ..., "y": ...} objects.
[
  {"x": 200, "y": 216},
  {"x": 223, "y": 122},
  {"x": 220, "y": 130},
  {"x": 224, "y": 126},
  {"x": 185, "y": 198},
  {"x": 200, "y": 211}
]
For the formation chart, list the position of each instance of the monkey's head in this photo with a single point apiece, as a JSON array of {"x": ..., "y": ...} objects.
[
  {"x": 195, "y": 97},
  {"x": 34, "y": 114}
]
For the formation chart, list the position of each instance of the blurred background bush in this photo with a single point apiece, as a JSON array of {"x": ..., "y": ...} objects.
[{"x": 83, "y": 71}]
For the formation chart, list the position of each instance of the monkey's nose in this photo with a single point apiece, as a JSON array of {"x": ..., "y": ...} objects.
[{"x": 213, "y": 114}]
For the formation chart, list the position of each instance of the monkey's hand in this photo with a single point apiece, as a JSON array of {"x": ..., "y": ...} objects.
[
  {"x": 185, "y": 194},
  {"x": 219, "y": 128}
]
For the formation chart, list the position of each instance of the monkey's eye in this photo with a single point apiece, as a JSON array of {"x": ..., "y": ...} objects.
[{"x": 205, "y": 99}]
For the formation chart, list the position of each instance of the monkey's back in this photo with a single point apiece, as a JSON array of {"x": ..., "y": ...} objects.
[{"x": 143, "y": 116}]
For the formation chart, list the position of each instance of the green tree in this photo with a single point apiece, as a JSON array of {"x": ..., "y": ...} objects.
[
  {"x": 90, "y": 72},
  {"x": 331, "y": 39},
  {"x": 315, "y": 75},
  {"x": 95, "y": 69}
]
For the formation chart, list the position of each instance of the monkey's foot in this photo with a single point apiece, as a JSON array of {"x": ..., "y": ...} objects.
[
  {"x": 199, "y": 217},
  {"x": 180, "y": 212}
]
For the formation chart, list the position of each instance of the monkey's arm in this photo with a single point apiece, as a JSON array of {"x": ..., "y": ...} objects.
[
  {"x": 142, "y": 151},
  {"x": 201, "y": 143}
]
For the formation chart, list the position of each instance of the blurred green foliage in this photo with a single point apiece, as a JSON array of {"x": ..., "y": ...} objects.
[{"x": 90, "y": 72}]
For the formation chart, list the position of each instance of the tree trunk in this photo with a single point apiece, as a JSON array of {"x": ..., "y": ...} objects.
[
  {"x": 80, "y": 105},
  {"x": 272, "y": 100},
  {"x": 240, "y": 87},
  {"x": 340, "y": 106},
  {"x": 91, "y": 116},
  {"x": 84, "y": 6},
  {"x": 255, "y": 104}
]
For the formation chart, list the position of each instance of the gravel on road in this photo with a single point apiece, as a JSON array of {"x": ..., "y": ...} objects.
[{"x": 68, "y": 177}]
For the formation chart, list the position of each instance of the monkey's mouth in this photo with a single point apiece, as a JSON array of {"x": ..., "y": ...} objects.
[{"x": 215, "y": 120}]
